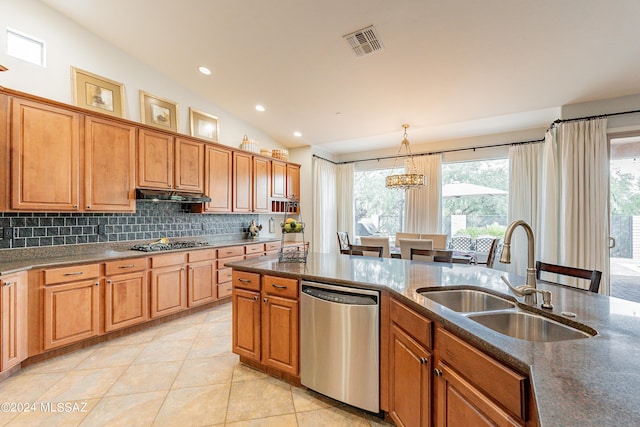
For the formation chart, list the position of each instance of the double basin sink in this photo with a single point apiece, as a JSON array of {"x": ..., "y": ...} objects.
[{"x": 504, "y": 316}]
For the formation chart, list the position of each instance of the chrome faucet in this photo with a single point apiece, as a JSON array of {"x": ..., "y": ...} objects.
[{"x": 530, "y": 289}]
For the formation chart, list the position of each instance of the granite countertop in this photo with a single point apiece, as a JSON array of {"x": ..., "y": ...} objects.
[
  {"x": 587, "y": 382},
  {"x": 13, "y": 260}
]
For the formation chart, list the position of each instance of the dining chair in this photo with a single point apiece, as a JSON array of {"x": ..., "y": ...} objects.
[
  {"x": 483, "y": 243},
  {"x": 378, "y": 241},
  {"x": 493, "y": 252},
  {"x": 407, "y": 244},
  {"x": 593, "y": 276},
  {"x": 343, "y": 242},
  {"x": 406, "y": 236},
  {"x": 432, "y": 255},
  {"x": 461, "y": 243},
  {"x": 439, "y": 240},
  {"x": 364, "y": 250}
]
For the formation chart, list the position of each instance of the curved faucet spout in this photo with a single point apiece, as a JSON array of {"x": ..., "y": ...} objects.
[{"x": 506, "y": 255}]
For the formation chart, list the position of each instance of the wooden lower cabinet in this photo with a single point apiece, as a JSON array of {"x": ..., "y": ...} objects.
[
  {"x": 71, "y": 312},
  {"x": 246, "y": 323},
  {"x": 13, "y": 319},
  {"x": 410, "y": 368},
  {"x": 202, "y": 283},
  {"x": 168, "y": 290},
  {"x": 126, "y": 300},
  {"x": 280, "y": 330}
]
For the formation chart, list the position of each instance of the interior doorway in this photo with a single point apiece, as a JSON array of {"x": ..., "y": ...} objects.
[{"x": 624, "y": 219}]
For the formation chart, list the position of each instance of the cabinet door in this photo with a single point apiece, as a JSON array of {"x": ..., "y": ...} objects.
[
  {"x": 218, "y": 170},
  {"x": 261, "y": 184},
  {"x": 410, "y": 375},
  {"x": 45, "y": 168},
  {"x": 13, "y": 319},
  {"x": 109, "y": 177},
  {"x": 246, "y": 323},
  {"x": 242, "y": 182},
  {"x": 293, "y": 181},
  {"x": 278, "y": 179},
  {"x": 126, "y": 300},
  {"x": 280, "y": 330},
  {"x": 71, "y": 312},
  {"x": 189, "y": 166},
  {"x": 202, "y": 283},
  {"x": 458, "y": 403},
  {"x": 155, "y": 160},
  {"x": 168, "y": 290}
]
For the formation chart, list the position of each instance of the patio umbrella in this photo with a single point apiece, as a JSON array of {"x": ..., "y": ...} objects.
[{"x": 469, "y": 190}]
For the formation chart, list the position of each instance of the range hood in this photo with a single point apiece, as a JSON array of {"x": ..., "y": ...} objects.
[{"x": 171, "y": 196}]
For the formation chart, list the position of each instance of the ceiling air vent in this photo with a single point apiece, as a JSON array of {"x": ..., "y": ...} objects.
[{"x": 364, "y": 41}]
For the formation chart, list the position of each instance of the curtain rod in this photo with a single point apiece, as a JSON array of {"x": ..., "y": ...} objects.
[
  {"x": 431, "y": 153},
  {"x": 599, "y": 116}
]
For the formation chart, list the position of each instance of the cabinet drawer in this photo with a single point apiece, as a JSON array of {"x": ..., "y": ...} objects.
[
  {"x": 224, "y": 290},
  {"x": 231, "y": 251},
  {"x": 280, "y": 286},
  {"x": 254, "y": 249},
  {"x": 258, "y": 255},
  {"x": 165, "y": 260},
  {"x": 70, "y": 274},
  {"x": 124, "y": 266},
  {"x": 272, "y": 246},
  {"x": 220, "y": 262},
  {"x": 507, "y": 387},
  {"x": 417, "y": 326},
  {"x": 245, "y": 280},
  {"x": 225, "y": 275},
  {"x": 201, "y": 255}
]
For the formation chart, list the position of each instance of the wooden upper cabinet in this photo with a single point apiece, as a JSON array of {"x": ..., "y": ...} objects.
[
  {"x": 261, "y": 184},
  {"x": 242, "y": 181},
  {"x": 278, "y": 179},
  {"x": 45, "y": 147},
  {"x": 189, "y": 165},
  {"x": 293, "y": 181},
  {"x": 109, "y": 155},
  {"x": 218, "y": 185},
  {"x": 155, "y": 160}
]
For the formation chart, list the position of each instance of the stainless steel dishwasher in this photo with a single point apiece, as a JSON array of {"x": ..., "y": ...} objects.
[{"x": 340, "y": 343}]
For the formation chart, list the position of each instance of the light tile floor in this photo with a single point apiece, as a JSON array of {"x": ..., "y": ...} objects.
[{"x": 181, "y": 373}]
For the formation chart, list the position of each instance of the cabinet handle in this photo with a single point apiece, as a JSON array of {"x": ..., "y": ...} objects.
[
  {"x": 266, "y": 300},
  {"x": 255, "y": 298},
  {"x": 109, "y": 281},
  {"x": 88, "y": 206},
  {"x": 8, "y": 283},
  {"x": 278, "y": 286},
  {"x": 75, "y": 206},
  {"x": 182, "y": 269},
  {"x": 244, "y": 280},
  {"x": 423, "y": 360},
  {"x": 75, "y": 273},
  {"x": 97, "y": 283},
  {"x": 127, "y": 266},
  {"x": 437, "y": 372}
]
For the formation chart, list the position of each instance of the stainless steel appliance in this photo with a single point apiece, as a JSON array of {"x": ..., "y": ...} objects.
[{"x": 340, "y": 343}]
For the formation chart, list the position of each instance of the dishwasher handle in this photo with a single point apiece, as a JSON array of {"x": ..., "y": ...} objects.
[{"x": 340, "y": 296}]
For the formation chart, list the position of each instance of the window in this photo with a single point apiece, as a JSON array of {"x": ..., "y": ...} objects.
[
  {"x": 475, "y": 199},
  {"x": 25, "y": 47},
  {"x": 377, "y": 209}
]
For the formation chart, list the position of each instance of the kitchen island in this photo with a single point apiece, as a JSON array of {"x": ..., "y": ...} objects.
[{"x": 591, "y": 381}]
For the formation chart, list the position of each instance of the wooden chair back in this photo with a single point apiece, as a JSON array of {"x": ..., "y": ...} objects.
[
  {"x": 378, "y": 241},
  {"x": 593, "y": 276},
  {"x": 343, "y": 242},
  {"x": 363, "y": 250},
  {"x": 439, "y": 240},
  {"x": 406, "y": 236},
  {"x": 432, "y": 255},
  {"x": 407, "y": 244}
]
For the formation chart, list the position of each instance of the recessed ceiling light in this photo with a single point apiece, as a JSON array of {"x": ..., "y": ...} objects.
[
  {"x": 204, "y": 70},
  {"x": 260, "y": 107},
  {"x": 297, "y": 134}
]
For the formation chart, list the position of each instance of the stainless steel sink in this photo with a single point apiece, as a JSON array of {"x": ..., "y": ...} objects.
[
  {"x": 467, "y": 300},
  {"x": 528, "y": 326}
]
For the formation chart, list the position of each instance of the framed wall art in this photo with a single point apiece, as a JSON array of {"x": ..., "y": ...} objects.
[
  {"x": 97, "y": 93},
  {"x": 203, "y": 125},
  {"x": 158, "y": 112}
]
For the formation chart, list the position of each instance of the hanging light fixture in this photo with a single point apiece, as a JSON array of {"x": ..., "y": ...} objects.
[{"x": 409, "y": 180}]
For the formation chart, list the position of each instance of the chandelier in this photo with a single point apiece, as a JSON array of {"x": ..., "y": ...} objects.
[{"x": 409, "y": 180}]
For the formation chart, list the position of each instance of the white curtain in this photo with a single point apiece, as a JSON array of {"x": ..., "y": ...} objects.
[
  {"x": 525, "y": 199},
  {"x": 424, "y": 205},
  {"x": 344, "y": 195},
  {"x": 580, "y": 157},
  {"x": 325, "y": 211}
]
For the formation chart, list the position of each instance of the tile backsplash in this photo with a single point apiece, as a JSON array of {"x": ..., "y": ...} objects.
[{"x": 152, "y": 220}]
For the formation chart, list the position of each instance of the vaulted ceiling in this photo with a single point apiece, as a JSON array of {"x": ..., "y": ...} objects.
[{"x": 450, "y": 68}]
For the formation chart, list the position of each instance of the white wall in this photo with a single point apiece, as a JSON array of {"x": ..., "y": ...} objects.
[
  {"x": 626, "y": 122},
  {"x": 69, "y": 44}
]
